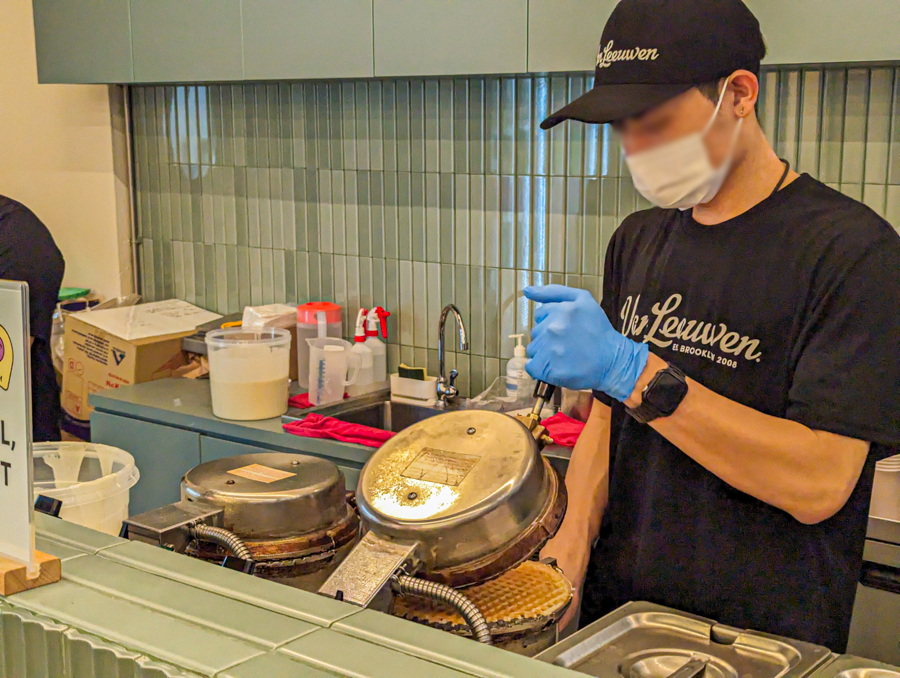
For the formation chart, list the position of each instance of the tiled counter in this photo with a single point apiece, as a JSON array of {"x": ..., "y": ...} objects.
[{"x": 129, "y": 609}]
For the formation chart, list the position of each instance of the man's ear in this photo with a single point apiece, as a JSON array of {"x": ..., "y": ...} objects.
[{"x": 745, "y": 88}]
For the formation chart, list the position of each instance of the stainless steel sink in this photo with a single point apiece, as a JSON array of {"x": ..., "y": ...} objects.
[
  {"x": 373, "y": 409},
  {"x": 386, "y": 416}
]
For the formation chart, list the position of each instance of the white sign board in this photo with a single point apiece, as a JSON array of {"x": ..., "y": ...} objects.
[{"x": 16, "y": 500}]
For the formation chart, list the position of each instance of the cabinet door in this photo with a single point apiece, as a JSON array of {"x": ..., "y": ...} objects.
[
  {"x": 436, "y": 37},
  {"x": 351, "y": 477},
  {"x": 82, "y": 41},
  {"x": 216, "y": 448},
  {"x": 186, "y": 40},
  {"x": 564, "y": 35},
  {"x": 294, "y": 39},
  {"x": 162, "y": 454},
  {"x": 819, "y": 31}
]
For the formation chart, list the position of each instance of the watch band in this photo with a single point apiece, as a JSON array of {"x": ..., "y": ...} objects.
[{"x": 647, "y": 411}]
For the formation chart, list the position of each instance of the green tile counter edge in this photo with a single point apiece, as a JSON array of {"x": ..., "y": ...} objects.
[
  {"x": 443, "y": 648},
  {"x": 134, "y": 626},
  {"x": 284, "y": 600},
  {"x": 32, "y": 645},
  {"x": 339, "y": 653},
  {"x": 120, "y": 590},
  {"x": 187, "y": 602}
]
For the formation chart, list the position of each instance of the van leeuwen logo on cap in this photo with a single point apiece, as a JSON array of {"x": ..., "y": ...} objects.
[{"x": 608, "y": 55}]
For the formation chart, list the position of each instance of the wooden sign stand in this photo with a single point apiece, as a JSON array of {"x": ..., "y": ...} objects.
[{"x": 14, "y": 579}]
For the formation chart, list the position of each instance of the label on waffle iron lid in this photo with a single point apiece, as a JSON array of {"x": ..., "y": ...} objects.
[
  {"x": 440, "y": 466},
  {"x": 260, "y": 473}
]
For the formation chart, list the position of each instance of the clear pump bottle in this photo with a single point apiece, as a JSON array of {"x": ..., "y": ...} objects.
[{"x": 516, "y": 376}]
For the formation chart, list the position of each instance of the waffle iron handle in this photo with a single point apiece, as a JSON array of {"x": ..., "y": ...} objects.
[{"x": 543, "y": 394}]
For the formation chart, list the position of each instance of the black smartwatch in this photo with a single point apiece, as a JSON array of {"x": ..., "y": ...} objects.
[{"x": 662, "y": 396}]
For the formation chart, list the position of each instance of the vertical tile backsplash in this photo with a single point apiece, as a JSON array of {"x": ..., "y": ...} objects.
[{"x": 411, "y": 194}]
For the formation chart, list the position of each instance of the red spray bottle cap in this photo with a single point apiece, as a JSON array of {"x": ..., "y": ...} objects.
[{"x": 377, "y": 321}]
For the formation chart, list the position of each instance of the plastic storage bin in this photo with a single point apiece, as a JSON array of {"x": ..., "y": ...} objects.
[
  {"x": 92, "y": 481},
  {"x": 248, "y": 372}
]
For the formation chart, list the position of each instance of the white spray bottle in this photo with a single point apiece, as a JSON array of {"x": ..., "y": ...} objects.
[
  {"x": 365, "y": 382},
  {"x": 377, "y": 323}
]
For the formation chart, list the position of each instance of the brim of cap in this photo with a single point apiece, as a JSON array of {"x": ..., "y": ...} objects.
[{"x": 607, "y": 103}]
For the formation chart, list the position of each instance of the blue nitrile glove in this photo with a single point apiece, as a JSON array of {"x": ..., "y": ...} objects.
[{"x": 574, "y": 345}]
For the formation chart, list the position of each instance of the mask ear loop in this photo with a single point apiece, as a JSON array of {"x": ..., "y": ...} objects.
[{"x": 715, "y": 114}]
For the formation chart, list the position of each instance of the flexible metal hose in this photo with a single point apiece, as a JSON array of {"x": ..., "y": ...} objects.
[
  {"x": 227, "y": 540},
  {"x": 405, "y": 585}
]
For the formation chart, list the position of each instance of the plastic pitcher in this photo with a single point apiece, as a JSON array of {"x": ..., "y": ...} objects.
[
  {"x": 92, "y": 481},
  {"x": 315, "y": 319},
  {"x": 248, "y": 372},
  {"x": 329, "y": 360}
]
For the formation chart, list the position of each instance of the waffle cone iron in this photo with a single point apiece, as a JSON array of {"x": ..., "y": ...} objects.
[{"x": 453, "y": 502}]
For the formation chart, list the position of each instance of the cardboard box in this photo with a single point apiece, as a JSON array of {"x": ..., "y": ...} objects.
[{"x": 124, "y": 346}]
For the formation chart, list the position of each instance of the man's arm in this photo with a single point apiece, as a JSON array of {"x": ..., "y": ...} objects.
[
  {"x": 587, "y": 482},
  {"x": 809, "y": 474}
]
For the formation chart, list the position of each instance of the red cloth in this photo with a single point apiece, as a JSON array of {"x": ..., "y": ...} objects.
[
  {"x": 316, "y": 426},
  {"x": 563, "y": 429},
  {"x": 301, "y": 402}
]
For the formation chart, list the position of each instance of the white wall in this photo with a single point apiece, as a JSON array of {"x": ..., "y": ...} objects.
[{"x": 62, "y": 153}]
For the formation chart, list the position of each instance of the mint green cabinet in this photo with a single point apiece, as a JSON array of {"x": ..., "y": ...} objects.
[
  {"x": 822, "y": 31},
  {"x": 563, "y": 35},
  {"x": 186, "y": 40},
  {"x": 162, "y": 454},
  {"x": 217, "y": 448},
  {"x": 146, "y": 41},
  {"x": 295, "y": 39},
  {"x": 462, "y": 37},
  {"x": 85, "y": 41}
]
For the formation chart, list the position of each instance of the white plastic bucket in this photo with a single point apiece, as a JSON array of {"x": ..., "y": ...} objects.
[
  {"x": 249, "y": 372},
  {"x": 92, "y": 481}
]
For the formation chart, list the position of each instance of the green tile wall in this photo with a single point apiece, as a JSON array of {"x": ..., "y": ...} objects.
[{"x": 414, "y": 193}]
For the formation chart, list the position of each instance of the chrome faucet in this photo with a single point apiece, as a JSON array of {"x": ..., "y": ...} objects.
[{"x": 446, "y": 391}]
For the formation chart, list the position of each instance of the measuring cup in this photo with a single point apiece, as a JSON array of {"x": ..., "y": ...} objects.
[{"x": 329, "y": 360}]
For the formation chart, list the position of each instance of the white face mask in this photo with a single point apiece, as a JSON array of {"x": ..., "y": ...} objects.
[{"x": 679, "y": 173}]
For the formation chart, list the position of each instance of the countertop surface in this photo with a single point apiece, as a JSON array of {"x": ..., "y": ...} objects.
[{"x": 186, "y": 403}]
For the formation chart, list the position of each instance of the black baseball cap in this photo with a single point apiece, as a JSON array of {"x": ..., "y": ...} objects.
[{"x": 653, "y": 50}]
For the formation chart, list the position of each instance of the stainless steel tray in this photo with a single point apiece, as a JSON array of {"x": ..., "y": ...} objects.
[
  {"x": 848, "y": 666},
  {"x": 642, "y": 640}
]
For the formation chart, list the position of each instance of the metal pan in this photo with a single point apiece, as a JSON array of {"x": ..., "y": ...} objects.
[{"x": 642, "y": 640}]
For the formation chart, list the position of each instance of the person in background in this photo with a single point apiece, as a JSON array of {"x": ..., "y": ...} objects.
[
  {"x": 28, "y": 253},
  {"x": 744, "y": 357}
]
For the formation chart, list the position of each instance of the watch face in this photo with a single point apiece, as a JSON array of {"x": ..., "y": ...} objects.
[{"x": 666, "y": 392}]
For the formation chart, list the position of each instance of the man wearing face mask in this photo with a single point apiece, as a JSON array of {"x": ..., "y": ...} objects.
[{"x": 744, "y": 356}]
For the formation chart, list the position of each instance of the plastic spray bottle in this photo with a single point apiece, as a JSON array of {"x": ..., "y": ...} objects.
[
  {"x": 376, "y": 323},
  {"x": 365, "y": 382}
]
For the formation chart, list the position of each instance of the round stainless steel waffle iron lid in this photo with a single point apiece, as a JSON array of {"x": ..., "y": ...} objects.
[
  {"x": 464, "y": 485},
  {"x": 270, "y": 495}
]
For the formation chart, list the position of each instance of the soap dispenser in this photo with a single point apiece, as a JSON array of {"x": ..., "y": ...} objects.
[{"x": 516, "y": 376}]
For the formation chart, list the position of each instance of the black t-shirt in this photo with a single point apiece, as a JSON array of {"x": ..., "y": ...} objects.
[
  {"x": 793, "y": 309},
  {"x": 28, "y": 253}
]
